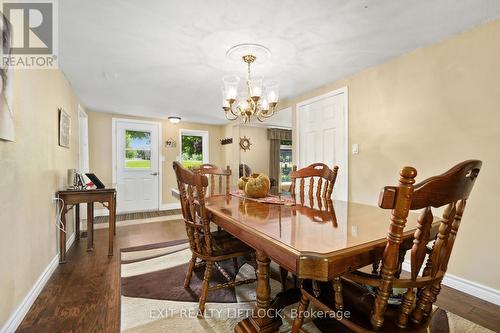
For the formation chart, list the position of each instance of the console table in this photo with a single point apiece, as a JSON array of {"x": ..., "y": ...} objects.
[{"x": 73, "y": 198}]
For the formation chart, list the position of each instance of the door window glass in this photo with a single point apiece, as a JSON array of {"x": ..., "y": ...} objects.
[{"x": 137, "y": 149}]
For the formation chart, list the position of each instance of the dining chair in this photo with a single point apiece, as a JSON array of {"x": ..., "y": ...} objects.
[
  {"x": 317, "y": 191},
  {"x": 205, "y": 245},
  {"x": 369, "y": 294},
  {"x": 216, "y": 172},
  {"x": 323, "y": 187}
]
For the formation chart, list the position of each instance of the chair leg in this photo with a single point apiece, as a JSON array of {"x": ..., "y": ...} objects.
[
  {"x": 236, "y": 267},
  {"x": 204, "y": 288},
  {"x": 303, "y": 305},
  {"x": 283, "y": 276},
  {"x": 189, "y": 273}
]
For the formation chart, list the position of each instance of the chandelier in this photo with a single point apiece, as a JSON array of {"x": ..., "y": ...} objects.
[{"x": 258, "y": 99}]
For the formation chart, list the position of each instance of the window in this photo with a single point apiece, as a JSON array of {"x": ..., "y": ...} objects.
[
  {"x": 137, "y": 149},
  {"x": 285, "y": 161},
  {"x": 194, "y": 148}
]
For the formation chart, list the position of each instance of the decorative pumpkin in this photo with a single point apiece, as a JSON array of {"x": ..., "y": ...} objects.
[
  {"x": 257, "y": 186},
  {"x": 242, "y": 182}
]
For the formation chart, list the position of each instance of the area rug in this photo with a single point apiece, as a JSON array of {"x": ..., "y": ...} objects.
[
  {"x": 154, "y": 300},
  {"x": 138, "y": 215}
]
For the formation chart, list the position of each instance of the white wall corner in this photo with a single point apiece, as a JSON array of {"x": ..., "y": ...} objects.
[{"x": 469, "y": 287}]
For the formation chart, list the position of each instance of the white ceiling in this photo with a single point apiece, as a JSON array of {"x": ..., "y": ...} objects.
[{"x": 160, "y": 58}]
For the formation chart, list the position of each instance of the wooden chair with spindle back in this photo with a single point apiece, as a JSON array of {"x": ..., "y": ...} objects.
[
  {"x": 324, "y": 189},
  {"x": 204, "y": 244},
  {"x": 449, "y": 190},
  {"x": 214, "y": 172},
  {"x": 325, "y": 180}
]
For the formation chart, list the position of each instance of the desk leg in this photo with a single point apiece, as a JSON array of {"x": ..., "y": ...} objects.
[
  {"x": 262, "y": 320},
  {"x": 62, "y": 236},
  {"x": 112, "y": 225},
  {"x": 90, "y": 226},
  {"x": 77, "y": 221}
]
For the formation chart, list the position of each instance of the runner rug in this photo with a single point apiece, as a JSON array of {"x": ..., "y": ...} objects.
[{"x": 154, "y": 300}]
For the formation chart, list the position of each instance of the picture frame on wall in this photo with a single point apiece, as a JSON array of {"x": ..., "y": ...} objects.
[{"x": 64, "y": 128}]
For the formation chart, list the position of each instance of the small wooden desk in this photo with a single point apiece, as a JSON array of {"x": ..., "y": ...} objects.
[{"x": 73, "y": 198}]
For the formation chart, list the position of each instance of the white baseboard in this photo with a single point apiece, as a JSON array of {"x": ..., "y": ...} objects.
[
  {"x": 170, "y": 206},
  {"x": 101, "y": 212},
  {"x": 17, "y": 317},
  {"x": 472, "y": 288}
]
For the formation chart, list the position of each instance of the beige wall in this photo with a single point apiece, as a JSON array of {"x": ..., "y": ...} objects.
[
  {"x": 431, "y": 109},
  {"x": 100, "y": 147},
  {"x": 33, "y": 168},
  {"x": 258, "y": 155}
]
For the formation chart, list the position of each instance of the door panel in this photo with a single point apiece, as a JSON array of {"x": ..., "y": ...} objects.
[
  {"x": 322, "y": 133},
  {"x": 137, "y": 166}
]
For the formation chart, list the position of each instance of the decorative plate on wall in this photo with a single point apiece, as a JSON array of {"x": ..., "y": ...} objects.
[{"x": 245, "y": 143}]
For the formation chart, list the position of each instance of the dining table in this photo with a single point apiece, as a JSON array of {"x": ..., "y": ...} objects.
[{"x": 315, "y": 238}]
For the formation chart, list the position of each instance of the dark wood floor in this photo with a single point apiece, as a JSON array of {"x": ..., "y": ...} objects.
[{"x": 84, "y": 294}]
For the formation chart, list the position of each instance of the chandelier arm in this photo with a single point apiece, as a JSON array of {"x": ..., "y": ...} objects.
[
  {"x": 268, "y": 114},
  {"x": 234, "y": 114},
  {"x": 228, "y": 118}
]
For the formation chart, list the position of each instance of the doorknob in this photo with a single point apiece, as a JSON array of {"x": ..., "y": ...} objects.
[{"x": 154, "y": 174}]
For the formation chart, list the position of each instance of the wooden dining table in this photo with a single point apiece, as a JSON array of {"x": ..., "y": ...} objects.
[{"x": 314, "y": 239}]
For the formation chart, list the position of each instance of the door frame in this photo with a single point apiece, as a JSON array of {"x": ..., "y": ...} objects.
[
  {"x": 83, "y": 168},
  {"x": 114, "y": 122},
  {"x": 343, "y": 90}
]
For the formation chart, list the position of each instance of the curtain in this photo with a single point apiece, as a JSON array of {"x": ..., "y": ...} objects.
[{"x": 276, "y": 135}]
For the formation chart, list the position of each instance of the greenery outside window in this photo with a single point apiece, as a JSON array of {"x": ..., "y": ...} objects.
[{"x": 194, "y": 148}]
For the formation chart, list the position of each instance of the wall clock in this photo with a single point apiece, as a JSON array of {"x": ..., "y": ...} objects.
[{"x": 245, "y": 143}]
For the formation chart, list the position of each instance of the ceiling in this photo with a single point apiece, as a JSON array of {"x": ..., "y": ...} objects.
[{"x": 160, "y": 58}]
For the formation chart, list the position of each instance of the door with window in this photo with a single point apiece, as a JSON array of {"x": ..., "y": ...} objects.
[{"x": 137, "y": 166}]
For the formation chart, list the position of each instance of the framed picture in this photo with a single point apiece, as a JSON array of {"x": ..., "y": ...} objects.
[{"x": 64, "y": 128}]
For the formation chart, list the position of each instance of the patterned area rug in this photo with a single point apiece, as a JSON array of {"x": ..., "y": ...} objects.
[
  {"x": 154, "y": 300},
  {"x": 138, "y": 216}
]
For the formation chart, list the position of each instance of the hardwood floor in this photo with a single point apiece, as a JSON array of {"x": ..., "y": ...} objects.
[{"x": 84, "y": 294}]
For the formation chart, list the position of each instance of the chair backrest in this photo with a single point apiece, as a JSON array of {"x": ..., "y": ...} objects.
[
  {"x": 325, "y": 180},
  {"x": 449, "y": 190},
  {"x": 192, "y": 190},
  {"x": 214, "y": 171}
]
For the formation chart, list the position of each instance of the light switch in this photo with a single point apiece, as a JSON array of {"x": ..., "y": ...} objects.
[{"x": 355, "y": 149}]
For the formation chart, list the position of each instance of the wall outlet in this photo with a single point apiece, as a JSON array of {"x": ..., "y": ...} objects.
[{"x": 355, "y": 149}]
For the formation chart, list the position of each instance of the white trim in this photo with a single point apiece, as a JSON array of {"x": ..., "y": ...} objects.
[
  {"x": 170, "y": 206},
  {"x": 345, "y": 91},
  {"x": 17, "y": 317},
  {"x": 469, "y": 287},
  {"x": 160, "y": 151},
  {"x": 205, "y": 145}
]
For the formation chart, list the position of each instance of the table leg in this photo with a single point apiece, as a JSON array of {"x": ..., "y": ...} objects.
[
  {"x": 90, "y": 226},
  {"x": 264, "y": 320},
  {"x": 112, "y": 225},
  {"x": 77, "y": 221},
  {"x": 62, "y": 236}
]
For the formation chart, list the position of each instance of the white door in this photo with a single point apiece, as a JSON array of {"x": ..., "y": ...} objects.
[
  {"x": 322, "y": 135},
  {"x": 137, "y": 166}
]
